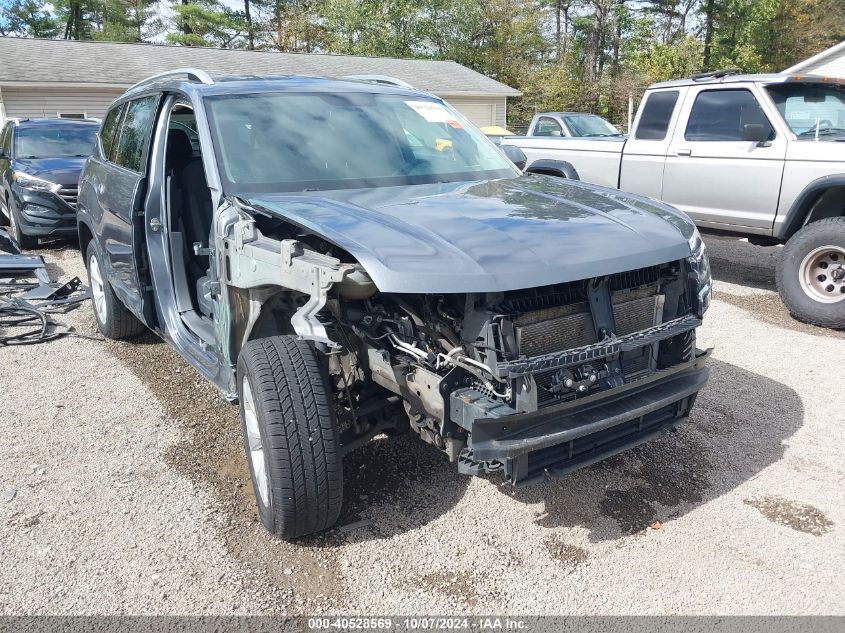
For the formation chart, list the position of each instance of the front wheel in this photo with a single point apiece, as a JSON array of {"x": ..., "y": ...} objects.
[
  {"x": 811, "y": 273},
  {"x": 290, "y": 436},
  {"x": 26, "y": 242}
]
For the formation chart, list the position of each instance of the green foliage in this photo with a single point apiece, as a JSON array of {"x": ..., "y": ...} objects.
[
  {"x": 207, "y": 23},
  {"x": 588, "y": 55},
  {"x": 30, "y": 18}
]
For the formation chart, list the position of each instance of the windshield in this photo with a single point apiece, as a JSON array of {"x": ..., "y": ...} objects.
[
  {"x": 589, "y": 125},
  {"x": 271, "y": 142},
  {"x": 55, "y": 141},
  {"x": 807, "y": 106}
]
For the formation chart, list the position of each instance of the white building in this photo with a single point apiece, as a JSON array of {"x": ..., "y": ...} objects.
[
  {"x": 52, "y": 78},
  {"x": 828, "y": 63}
]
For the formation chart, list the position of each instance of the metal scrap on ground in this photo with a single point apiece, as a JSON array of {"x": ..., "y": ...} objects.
[{"x": 28, "y": 298}]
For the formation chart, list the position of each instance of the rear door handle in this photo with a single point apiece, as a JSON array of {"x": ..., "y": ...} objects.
[{"x": 684, "y": 152}]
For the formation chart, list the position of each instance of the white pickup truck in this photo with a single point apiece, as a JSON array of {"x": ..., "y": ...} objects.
[{"x": 761, "y": 156}]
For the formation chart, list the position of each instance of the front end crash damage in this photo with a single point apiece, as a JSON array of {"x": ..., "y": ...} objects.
[{"x": 528, "y": 382}]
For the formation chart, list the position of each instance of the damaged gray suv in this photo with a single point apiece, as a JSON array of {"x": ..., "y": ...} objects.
[{"x": 331, "y": 252}]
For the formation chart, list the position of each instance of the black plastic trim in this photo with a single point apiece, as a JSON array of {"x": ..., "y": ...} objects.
[{"x": 512, "y": 436}]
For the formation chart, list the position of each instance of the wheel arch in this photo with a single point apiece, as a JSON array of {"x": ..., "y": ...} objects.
[
  {"x": 822, "y": 198},
  {"x": 552, "y": 167},
  {"x": 86, "y": 235}
]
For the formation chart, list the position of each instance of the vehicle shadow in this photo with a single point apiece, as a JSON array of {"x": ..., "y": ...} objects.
[
  {"x": 735, "y": 432},
  {"x": 739, "y": 262},
  {"x": 394, "y": 485}
]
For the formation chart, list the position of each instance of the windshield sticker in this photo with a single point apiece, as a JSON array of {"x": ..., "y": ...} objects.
[{"x": 433, "y": 112}]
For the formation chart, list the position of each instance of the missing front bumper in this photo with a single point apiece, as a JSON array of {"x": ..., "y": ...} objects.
[{"x": 560, "y": 439}]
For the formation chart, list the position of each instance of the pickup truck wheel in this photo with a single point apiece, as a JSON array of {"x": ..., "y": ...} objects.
[
  {"x": 290, "y": 436},
  {"x": 113, "y": 319},
  {"x": 811, "y": 273}
]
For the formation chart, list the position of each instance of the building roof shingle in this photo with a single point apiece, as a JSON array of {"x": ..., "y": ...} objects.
[{"x": 41, "y": 61}]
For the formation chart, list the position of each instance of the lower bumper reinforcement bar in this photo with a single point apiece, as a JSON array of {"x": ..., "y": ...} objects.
[{"x": 557, "y": 440}]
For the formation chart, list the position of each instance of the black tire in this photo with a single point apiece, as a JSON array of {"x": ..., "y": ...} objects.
[
  {"x": 115, "y": 321},
  {"x": 829, "y": 232},
  {"x": 295, "y": 420},
  {"x": 26, "y": 242}
]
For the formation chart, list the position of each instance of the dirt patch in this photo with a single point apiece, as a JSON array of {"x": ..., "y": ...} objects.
[
  {"x": 460, "y": 585},
  {"x": 672, "y": 475},
  {"x": 301, "y": 576},
  {"x": 566, "y": 553},
  {"x": 769, "y": 308},
  {"x": 798, "y": 516}
]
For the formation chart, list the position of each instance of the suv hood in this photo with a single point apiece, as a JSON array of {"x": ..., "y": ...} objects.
[
  {"x": 64, "y": 171},
  {"x": 488, "y": 236}
]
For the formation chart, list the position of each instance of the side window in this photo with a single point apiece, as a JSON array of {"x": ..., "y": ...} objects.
[
  {"x": 107, "y": 132},
  {"x": 4, "y": 138},
  {"x": 657, "y": 112},
  {"x": 135, "y": 132},
  {"x": 547, "y": 127},
  {"x": 721, "y": 115}
]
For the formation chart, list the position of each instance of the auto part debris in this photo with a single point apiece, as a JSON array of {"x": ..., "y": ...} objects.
[{"x": 26, "y": 305}]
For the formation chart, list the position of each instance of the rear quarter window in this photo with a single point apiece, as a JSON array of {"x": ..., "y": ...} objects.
[{"x": 657, "y": 112}]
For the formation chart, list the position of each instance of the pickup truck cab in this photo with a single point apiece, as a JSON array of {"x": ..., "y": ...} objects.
[
  {"x": 571, "y": 125},
  {"x": 314, "y": 249},
  {"x": 761, "y": 156}
]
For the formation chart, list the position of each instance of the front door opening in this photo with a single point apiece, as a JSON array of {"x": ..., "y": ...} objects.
[{"x": 188, "y": 219}]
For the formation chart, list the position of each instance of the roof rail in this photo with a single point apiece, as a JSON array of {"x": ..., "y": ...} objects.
[
  {"x": 380, "y": 79},
  {"x": 715, "y": 74},
  {"x": 193, "y": 74}
]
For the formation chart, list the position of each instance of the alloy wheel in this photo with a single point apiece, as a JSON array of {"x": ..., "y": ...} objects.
[
  {"x": 98, "y": 291},
  {"x": 822, "y": 274},
  {"x": 255, "y": 444}
]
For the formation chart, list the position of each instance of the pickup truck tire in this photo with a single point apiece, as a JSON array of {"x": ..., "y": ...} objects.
[
  {"x": 113, "y": 319},
  {"x": 290, "y": 436},
  {"x": 811, "y": 273}
]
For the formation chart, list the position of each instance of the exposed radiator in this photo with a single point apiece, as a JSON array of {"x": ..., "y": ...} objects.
[{"x": 565, "y": 327}]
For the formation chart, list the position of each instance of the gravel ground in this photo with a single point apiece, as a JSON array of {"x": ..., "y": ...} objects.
[{"x": 123, "y": 490}]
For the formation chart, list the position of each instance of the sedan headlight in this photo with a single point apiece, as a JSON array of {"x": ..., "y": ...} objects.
[
  {"x": 28, "y": 181},
  {"x": 700, "y": 264}
]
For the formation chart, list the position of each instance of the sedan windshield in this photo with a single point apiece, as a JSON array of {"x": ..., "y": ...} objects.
[
  {"x": 55, "y": 141},
  {"x": 269, "y": 142},
  {"x": 589, "y": 125},
  {"x": 811, "y": 107}
]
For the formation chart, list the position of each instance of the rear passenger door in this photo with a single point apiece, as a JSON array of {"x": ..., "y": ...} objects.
[
  {"x": 121, "y": 192},
  {"x": 714, "y": 175}
]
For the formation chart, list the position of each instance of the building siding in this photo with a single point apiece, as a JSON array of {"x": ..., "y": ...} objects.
[
  {"x": 831, "y": 67},
  {"x": 23, "y": 102},
  {"x": 471, "y": 107},
  {"x": 19, "y": 102}
]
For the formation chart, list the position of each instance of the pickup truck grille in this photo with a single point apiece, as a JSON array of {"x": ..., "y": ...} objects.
[{"x": 69, "y": 195}]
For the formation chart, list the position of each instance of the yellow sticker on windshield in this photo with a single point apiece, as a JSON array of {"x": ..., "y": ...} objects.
[{"x": 433, "y": 112}]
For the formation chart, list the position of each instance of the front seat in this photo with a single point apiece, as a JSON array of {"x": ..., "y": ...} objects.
[{"x": 197, "y": 216}]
